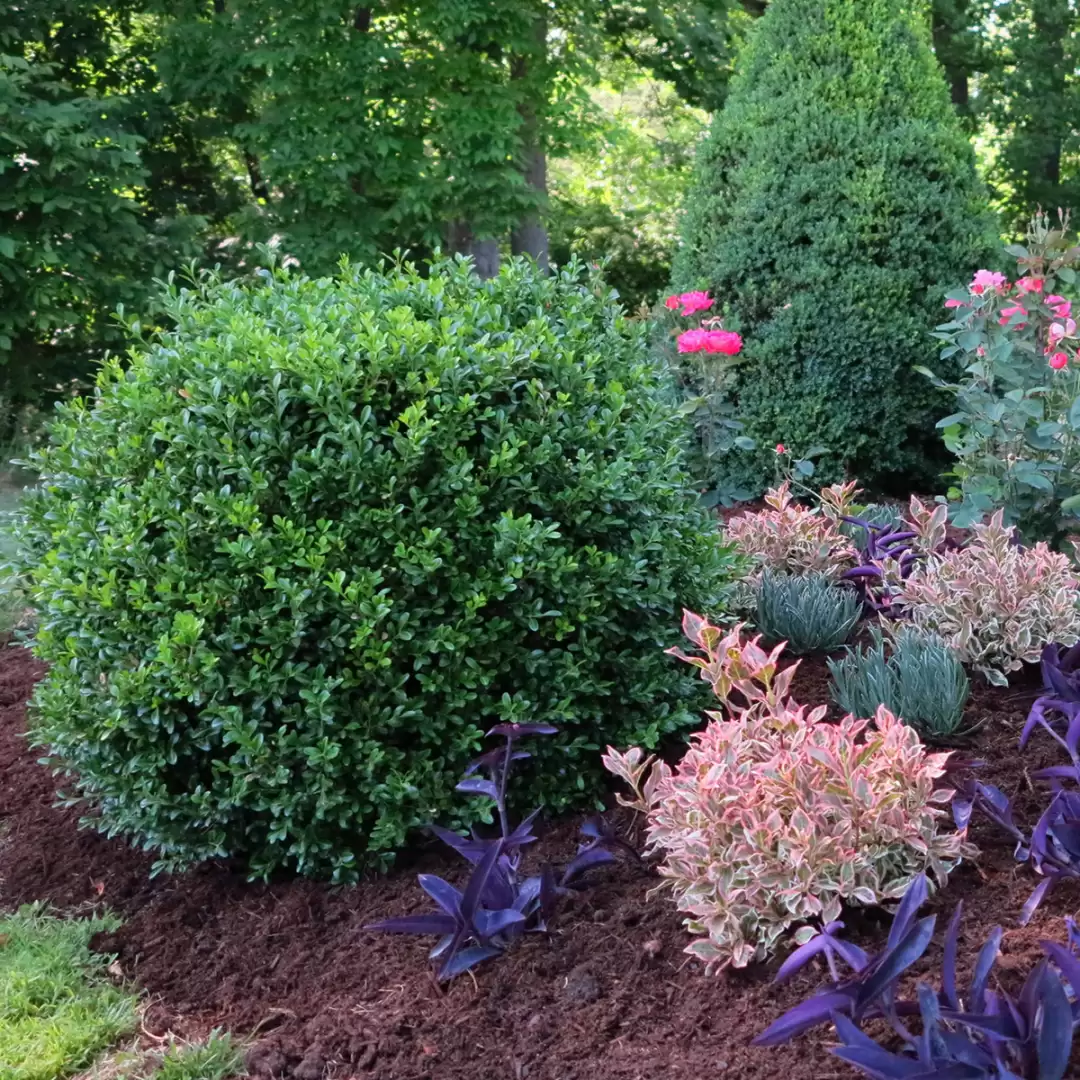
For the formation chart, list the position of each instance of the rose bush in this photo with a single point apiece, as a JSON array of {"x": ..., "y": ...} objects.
[
  {"x": 1016, "y": 427},
  {"x": 702, "y": 363}
]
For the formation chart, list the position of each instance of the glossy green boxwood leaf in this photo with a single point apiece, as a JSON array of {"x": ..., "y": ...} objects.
[{"x": 297, "y": 556}]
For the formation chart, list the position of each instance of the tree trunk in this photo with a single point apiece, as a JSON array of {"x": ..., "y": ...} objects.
[
  {"x": 949, "y": 26},
  {"x": 484, "y": 251},
  {"x": 255, "y": 176},
  {"x": 1052, "y": 22},
  {"x": 530, "y": 237}
]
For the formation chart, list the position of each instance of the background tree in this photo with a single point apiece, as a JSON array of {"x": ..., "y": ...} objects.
[
  {"x": 407, "y": 124},
  {"x": 104, "y": 185},
  {"x": 1031, "y": 101},
  {"x": 836, "y": 198}
]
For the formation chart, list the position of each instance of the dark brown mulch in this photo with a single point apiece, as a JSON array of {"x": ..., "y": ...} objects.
[{"x": 611, "y": 996}]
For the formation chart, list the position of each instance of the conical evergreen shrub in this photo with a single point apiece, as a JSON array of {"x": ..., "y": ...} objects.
[{"x": 835, "y": 201}]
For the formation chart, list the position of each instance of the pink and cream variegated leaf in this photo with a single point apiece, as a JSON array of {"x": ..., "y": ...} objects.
[
  {"x": 995, "y": 603},
  {"x": 792, "y": 539},
  {"x": 776, "y": 815}
]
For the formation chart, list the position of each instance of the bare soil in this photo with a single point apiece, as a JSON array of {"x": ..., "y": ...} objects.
[{"x": 610, "y": 995}]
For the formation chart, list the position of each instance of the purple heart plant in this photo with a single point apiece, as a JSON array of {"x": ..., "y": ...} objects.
[
  {"x": 977, "y": 1033},
  {"x": 499, "y": 903}
]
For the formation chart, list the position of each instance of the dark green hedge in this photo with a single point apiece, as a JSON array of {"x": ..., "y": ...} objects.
[
  {"x": 299, "y": 554},
  {"x": 836, "y": 199}
]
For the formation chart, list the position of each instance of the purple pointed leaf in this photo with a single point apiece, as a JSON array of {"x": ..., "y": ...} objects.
[
  {"x": 523, "y": 834},
  {"x": 1039, "y": 850},
  {"x": 468, "y": 847},
  {"x": 467, "y": 958},
  {"x": 1028, "y": 1004},
  {"x": 490, "y": 923},
  {"x": 853, "y": 956},
  {"x": 1066, "y": 961},
  {"x": 879, "y": 1063},
  {"x": 948, "y": 976},
  {"x": 964, "y": 1049},
  {"x": 1058, "y": 772},
  {"x": 1054, "y": 1041},
  {"x": 443, "y": 893},
  {"x": 1072, "y": 735},
  {"x": 983, "y": 965},
  {"x": 1001, "y": 1027},
  {"x": 1073, "y": 932},
  {"x": 490, "y": 759},
  {"x": 477, "y": 785},
  {"x": 415, "y": 924},
  {"x": 1067, "y": 834},
  {"x": 1059, "y": 673},
  {"x": 1034, "y": 900},
  {"x": 528, "y": 894},
  {"x": 996, "y": 798},
  {"x": 960, "y": 1071},
  {"x": 896, "y": 537},
  {"x": 801, "y": 957},
  {"x": 861, "y": 572},
  {"x": 474, "y": 889},
  {"x": 850, "y": 1033},
  {"x": 896, "y": 961},
  {"x": 501, "y": 886},
  {"x": 804, "y": 1016},
  {"x": 932, "y": 1046},
  {"x": 442, "y": 946},
  {"x": 596, "y": 828},
  {"x": 1070, "y": 660},
  {"x": 519, "y": 731},
  {"x": 1035, "y": 717},
  {"x": 914, "y": 898},
  {"x": 585, "y": 860}
]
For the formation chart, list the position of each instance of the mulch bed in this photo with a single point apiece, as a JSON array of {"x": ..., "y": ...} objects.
[{"x": 610, "y": 996}]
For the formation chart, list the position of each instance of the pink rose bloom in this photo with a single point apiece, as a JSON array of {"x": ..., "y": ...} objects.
[
  {"x": 1061, "y": 307},
  {"x": 671, "y": 303},
  {"x": 1061, "y": 330},
  {"x": 1058, "y": 361},
  {"x": 955, "y": 303},
  {"x": 723, "y": 341},
  {"x": 988, "y": 279},
  {"x": 1030, "y": 284},
  {"x": 694, "y": 302},
  {"x": 692, "y": 340},
  {"x": 980, "y": 351},
  {"x": 1009, "y": 312},
  {"x": 780, "y": 448}
]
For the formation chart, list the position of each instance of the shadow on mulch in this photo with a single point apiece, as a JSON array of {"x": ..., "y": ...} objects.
[{"x": 611, "y": 996}]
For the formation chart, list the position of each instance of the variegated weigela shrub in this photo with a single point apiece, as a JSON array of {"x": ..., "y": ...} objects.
[
  {"x": 995, "y": 603},
  {"x": 775, "y": 816},
  {"x": 788, "y": 538}
]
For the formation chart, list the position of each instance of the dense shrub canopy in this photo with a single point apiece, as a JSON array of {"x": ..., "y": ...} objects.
[
  {"x": 298, "y": 555},
  {"x": 836, "y": 198}
]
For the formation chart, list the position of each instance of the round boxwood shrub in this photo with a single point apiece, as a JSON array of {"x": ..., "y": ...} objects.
[
  {"x": 835, "y": 201},
  {"x": 297, "y": 555}
]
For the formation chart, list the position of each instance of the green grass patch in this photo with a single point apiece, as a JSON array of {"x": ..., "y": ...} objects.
[
  {"x": 58, "y": 1010},
  {"x": 216, "y": 1059}
]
